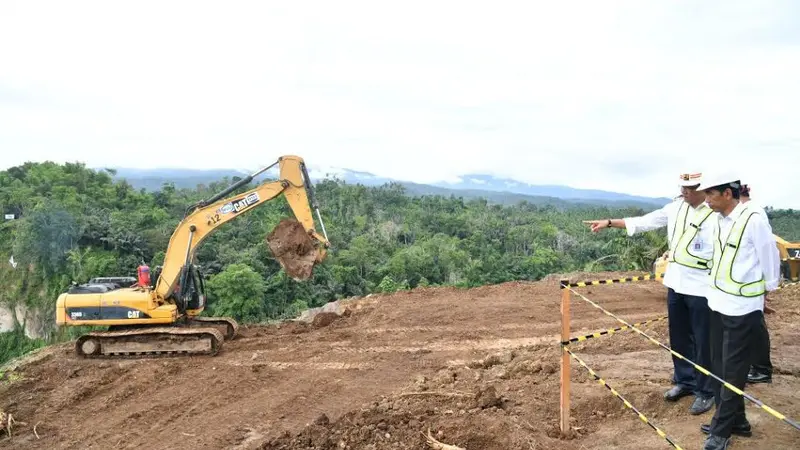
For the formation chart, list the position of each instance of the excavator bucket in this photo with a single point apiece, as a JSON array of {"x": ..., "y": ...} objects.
[{"x": 294, "y": 249}]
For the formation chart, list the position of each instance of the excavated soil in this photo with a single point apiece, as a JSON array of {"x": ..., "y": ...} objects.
[
  {"x": 293, "y": 248},
  {"x": 478, "y": 369}
]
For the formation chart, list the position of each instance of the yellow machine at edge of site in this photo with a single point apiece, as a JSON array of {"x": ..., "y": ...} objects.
[
  {"x": 790, "y": 259},
  {"x": 163, "y": 317}
]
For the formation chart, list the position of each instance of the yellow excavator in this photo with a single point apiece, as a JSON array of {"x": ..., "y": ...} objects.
[
  {"x": 790, "y": 259},
  {"x": 162, "y": 317}
]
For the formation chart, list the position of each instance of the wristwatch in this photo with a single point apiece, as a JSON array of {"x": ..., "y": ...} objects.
[{"x": 609, "y": 223}]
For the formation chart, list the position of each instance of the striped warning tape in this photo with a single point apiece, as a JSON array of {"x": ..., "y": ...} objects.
[
  {"x": 649, "y": 276},
  {"x": 701, "y": 369},
  {"x": 619, "y": 396},
  {"x": 611, "y": 331}
]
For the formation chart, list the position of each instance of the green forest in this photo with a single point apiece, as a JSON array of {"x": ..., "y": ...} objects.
[{"x": 73, "y": 223}]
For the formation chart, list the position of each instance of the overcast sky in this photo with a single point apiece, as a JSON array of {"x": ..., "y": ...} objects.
[{"x": 611, "y": 95}]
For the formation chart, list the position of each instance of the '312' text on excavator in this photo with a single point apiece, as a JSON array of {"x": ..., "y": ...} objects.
[{"x": 162, "y": 317}]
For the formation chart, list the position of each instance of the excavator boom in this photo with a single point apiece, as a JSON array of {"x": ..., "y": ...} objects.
[{"x": 210, "y": 214}]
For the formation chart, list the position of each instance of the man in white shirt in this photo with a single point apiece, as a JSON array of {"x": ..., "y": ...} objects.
[
  {"x": 761, "y": 369},
  {"x": 745, "y": 267},
  {"x": 686, "y": 277}
]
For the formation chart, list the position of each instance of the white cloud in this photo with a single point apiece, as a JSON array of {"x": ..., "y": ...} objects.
[{"x": 618, "y": 95}]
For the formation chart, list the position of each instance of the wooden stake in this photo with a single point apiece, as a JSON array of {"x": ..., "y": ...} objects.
[{"x": 565, "y": 359}]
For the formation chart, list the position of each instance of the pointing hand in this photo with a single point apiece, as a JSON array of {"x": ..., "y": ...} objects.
[{"x": 596, "y": 225}]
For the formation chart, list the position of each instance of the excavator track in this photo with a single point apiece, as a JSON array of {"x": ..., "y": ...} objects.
[
  {"x": 150, "y": 342},
  {"x": 231, "y": 326}
]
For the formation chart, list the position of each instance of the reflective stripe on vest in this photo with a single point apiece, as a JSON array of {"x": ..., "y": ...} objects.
[
  {"x": 725, "y": 256},
  {"x": 680, "y": 244}
]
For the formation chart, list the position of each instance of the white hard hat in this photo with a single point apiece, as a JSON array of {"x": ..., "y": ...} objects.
[
  {"x": 719, "y": 179},
  {"x": 690, "y": 179}
]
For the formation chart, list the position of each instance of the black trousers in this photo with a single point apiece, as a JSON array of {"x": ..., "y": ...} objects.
[
  {"x": 761, "y": 359},
  {"x": 688, "y": 335},
  {"x": 732, "y": 347}
]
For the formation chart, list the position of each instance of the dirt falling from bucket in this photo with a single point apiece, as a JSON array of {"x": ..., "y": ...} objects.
[{"x": 293, "y": 248}]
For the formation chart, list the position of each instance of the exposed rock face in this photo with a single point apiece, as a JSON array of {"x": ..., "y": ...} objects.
[{"x": 29, "y": 318}]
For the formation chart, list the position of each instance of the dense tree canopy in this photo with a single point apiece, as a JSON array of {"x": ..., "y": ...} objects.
[{"x": 75, "y": 223}]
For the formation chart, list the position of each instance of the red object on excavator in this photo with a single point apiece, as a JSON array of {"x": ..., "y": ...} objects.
[{"x": 144, "y": 275}]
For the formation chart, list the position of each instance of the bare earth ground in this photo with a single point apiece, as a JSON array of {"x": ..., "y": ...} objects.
[{"x": 478, "y": 368}]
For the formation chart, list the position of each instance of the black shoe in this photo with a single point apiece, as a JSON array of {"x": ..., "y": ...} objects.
[
  {"x": 701, "y": 405},
  {"x": 676, "y": 393},
  {"x": 716, "y": 443},
  {"x": 739, "y": 430},
  {"x": 759, "y": 377}
]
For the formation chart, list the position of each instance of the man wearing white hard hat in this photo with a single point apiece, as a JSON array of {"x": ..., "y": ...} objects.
[
  {"x": 745, "y": 267},
  {"x": 686, "y": 277}
]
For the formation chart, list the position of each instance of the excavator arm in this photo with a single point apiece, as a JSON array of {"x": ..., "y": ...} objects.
[{"x": 205, "y": 217}]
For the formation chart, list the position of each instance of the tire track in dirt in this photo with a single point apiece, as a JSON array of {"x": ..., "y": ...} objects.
[
  {"x": 587, "y": 321},
  {"x": 482, "y": 345},
  {"x": 580, "y": 317},
  {"x": 444, "y": 328},
  {"x": 283, "y": 365}
]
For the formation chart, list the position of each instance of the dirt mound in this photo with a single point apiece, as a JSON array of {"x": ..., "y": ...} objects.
[
  {"x": 293, "y": 248},
  {"x": 324, "y": 319},
  {"x": 479, "y": 368}
]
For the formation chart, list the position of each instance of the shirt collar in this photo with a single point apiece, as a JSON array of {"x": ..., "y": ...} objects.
[{"x": 737, "y": 211}]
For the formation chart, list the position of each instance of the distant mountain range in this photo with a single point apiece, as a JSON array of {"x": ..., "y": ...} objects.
[{"x": 493, "y": 189}]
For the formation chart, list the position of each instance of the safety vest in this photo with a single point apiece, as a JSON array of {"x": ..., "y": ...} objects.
[
  {"x": 685, "y": 231},
  {"x": 725, "y": 256}
]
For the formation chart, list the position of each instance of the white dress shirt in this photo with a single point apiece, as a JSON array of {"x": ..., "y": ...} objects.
[
  {"x": 682, "y": 279},
  {"x": 758, "y": 254}
]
